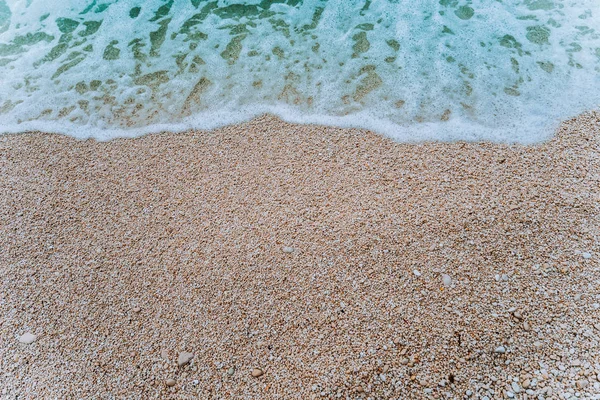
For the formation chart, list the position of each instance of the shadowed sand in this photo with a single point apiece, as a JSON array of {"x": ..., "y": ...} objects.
[{"x": 120, "y": 255}]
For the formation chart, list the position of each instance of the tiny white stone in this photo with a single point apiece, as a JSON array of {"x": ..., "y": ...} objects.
[
  {"x": 515, "y": 387},
  {"x": 500, "y": 350},
  {"x": 417, "y": 273},
  {"x": 27, "y": 338},
  {"x": 510, "y": 394},
  {"x": 587, "y": 256},
  {"x": 288, "y": 249},
  {"x": 505, "y": 277},
  {"x": 447, "y": 280}
]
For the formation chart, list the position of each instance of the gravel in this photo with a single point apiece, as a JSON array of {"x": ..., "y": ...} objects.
[{"x": 190, "y": 227}]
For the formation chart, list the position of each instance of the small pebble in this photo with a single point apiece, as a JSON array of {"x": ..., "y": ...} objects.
[
  {"x": 171, "y": 382},
  {"x": 231, "y": 371},
  {"x": 184, "y": 358},
  {"x": 526, "y": 326},
  {"x": 256, "y": 372},
  {"x": 582, "y": 384},
  {"x": 165, "y": 355},
  {"x": 586, "y": 255},
  {"x": 27, "y": 338},
  {"x": 417, "y": 273},
  {"x": 288, "y": 249},
  {"x": 517, "y": 314},
  {"x": 515, "y": 387},
  {"x": 447, "y": 280},
  {"x": 137, "y": 310},
  {"x": 500, "y": 350}
]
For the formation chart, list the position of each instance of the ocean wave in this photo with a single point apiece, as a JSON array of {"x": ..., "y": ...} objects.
[{"x": 420, "y": 70}]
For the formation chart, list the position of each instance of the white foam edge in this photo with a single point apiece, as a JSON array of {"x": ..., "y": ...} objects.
[{"x": 533, "y": 129}]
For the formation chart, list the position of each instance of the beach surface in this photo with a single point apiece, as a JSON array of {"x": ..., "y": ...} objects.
[{"x": 269, "y": 260}]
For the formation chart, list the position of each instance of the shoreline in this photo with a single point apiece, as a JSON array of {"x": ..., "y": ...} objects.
[
  {"x": 335, "y": 261},
  {"x": 442, "y": 131}
]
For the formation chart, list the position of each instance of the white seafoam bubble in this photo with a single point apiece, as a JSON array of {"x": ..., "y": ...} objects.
[{"x": 419, "y": 70}]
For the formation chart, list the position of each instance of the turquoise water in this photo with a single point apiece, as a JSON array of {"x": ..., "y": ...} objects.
[{"x": 499, "y": 70}]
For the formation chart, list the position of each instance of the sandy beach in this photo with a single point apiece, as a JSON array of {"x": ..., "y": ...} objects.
[{"x": 276, "y": 261}]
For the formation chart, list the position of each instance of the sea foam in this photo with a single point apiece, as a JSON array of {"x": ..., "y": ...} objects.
[{"x": 504, "y": 71}]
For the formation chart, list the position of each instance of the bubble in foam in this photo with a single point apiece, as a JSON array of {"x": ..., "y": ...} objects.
[{"x": 420, "y": 70}]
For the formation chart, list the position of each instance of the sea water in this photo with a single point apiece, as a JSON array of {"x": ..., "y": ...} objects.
[{"x": 499, "y": 70}]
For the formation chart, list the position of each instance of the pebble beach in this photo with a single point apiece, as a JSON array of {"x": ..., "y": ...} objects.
[{"x": 269, "y": 260}]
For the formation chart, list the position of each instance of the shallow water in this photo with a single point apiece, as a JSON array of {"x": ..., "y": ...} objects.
[{"x": 448, "y": 69}]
